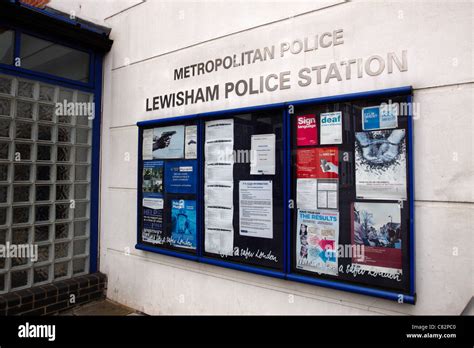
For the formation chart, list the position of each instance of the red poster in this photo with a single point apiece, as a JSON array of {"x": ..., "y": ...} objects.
[
  {"x": 306, "y": 131},
  {"x": 317, "y": 163}
]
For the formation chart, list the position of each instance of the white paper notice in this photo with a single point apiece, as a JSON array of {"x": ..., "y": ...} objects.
[
  {"x": 306, "y": 194},
  {"x": 327, "y": 193},
  {"x": 322, "y": 199},
  {"x": 190, "y": 148},
  {"x": 219, "y": 172},
  {"x": 219, "y": 193},
  {"x": 220, "y": 129},
  {"x": 331, "y": 128},
  {"x": 332, "y": 199},
  {"x": 147, "y": 150},
  {"x": 256, "y": 208},
  {"x": 219, "y": 151},
  {"x": 219, "y": 217},
  {"x": 219, "y": 241},
  {"x": 262, "y": 154}
]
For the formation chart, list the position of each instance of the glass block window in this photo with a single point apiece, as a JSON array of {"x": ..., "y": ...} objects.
[{"x": 45, "y": 163}]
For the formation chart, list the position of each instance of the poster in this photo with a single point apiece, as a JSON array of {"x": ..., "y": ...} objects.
[
  {"x": 331, "y": 128},
  {"x": 219, "y": 241},
  {"x": 152, "y": 229},
  {"x": 317, "y": 163},
  {"x": 306, "y": 194},
  {"x": 380, "y": 164},
  {"x": 219, "y": 193},
  {"x": 306, "y": 131},
  {"x": 256, "y": 208},
  {"x": 262, "y": 154},
  {"x": 190, "y": 146},
  {"x": 152, "y": 179},
  {"x": 168, "y": 142},
  {"x": 183, "y": 223},
  {"x": 147, "y": 148},
  {"x": 384, "y": 116},
  {"x": 220, "y": 129},
  {"x": 377, "y": 227},
  {"x": 181, "y": 176},
  {"x": 317, "y": 241}
]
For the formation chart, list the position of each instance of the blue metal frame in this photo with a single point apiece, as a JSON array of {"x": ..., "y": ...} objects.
[
  {"x": 94, "y": 86},
  {"x": 287, "y": 274}
]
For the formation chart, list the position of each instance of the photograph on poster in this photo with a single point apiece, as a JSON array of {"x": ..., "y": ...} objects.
[
  {"x": 168, "y": 142},
  {"x": 306, "y": 130},
  {"x": 190, "y": 147},
  {"x": 380, "y": 162},
  {"x": 152, "y": 178},
  {"x": 377, "y": 226},
  {"x": 331, "y": 128},
  {"x": 317, "y": 163},
  {"x": 181, "y": 176},
  {"x": 317, "y": 241},
  {"x": 183, "y": 223}
]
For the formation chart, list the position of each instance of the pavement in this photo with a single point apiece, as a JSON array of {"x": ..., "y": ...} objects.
[{"x": 101, "y": 307}]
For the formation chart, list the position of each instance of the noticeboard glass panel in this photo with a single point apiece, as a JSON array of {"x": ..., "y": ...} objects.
[
  {"x": 351, "y": 220},
  {"x": 243, "y": 188}
]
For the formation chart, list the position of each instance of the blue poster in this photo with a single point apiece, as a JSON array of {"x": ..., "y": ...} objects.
[
  {"x": 152, "y": 220},
  {"x": 380, "y": 117},
  {"x": 180, "y": 176},
  {"x": 168, "y": 142},
  {"x": 183, "y": 223},
  {"x": 152, "y": 179}
]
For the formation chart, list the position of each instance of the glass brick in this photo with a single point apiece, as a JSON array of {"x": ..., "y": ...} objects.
[
  {"x": 62, "y": 231},
  {"x": 3, "y": 215},
  {"x": 24, "y": 109},
  {"x": 63, "y": 173},
  {"x": 81, "y": 191},
  {"x": 61, "y": 250},
  {"x": 24, "y": 130},
  {"x": 2, "y": 282},
  {"x": 46, "y": 93},
  {"x": 82, "y": 154},
  {"x": 19, "y": 261},
  {"x": 3, "y": 194},
  {"x": 60, "y": 269},
  {"x": 43, "y": 253},
  {"x": 81, "y": 209},
  {"x": 80, "y": 228},
  {"x": 21, "y": 193},
  {"x": 63, "y": 153},
  {"x": 4, "y": 172},
  {"x": 21, "y": 215},
  {"x": 40, "y": 274},
  {"x": 5, "y": 128},
  {"x": 42, "y": 213},
  {"x": 22, "y": 172},
  {"x": 62, "y": 211},
  {"x": 45, "y": 132},
  {"x": 42, "y": 233},
  {"x": 43, "y": 173},
  {"x": 20, "y": 235},
  {"x": 25, "y": 89},
  {"x": 5, "y": 107},
  {"x": 5, "y": 85},
  {"x": 82, "y": 173},
  {"x": 3, "y": 236},
  {"x": 78, "y": 265},
  {"x": 63, "y": 192},
  {"x": 43, "y": 193},
  {"x": 22, "y": 152},
  {"x": 43, "y": 152},
  {"x": 45, "y": 112},
  {"x": 82, "y": 136},
  {"x": 19, "y": 278},
  {"x": 64, "y": 134},
  {"x": 79, "y": 247},
  {"x": 4, "y": 151}
]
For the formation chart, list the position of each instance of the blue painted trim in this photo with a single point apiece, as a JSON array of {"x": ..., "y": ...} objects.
[
  {"x": 354, "y": 96},
  {"x": 411, "y": 191},
  {"x": 139, "y": 184},
  {"x": 389, "y": 295},
  {"x": 244, "y": 110},
  {"x": 200, "y": 190},
  {"x": 166, "y": 252},
  {"x": 286, "y": 191},
  {"x": 95, "y": 169},
  {"x": 159, "y": 121},
  {"x": 240, "y": 267}
]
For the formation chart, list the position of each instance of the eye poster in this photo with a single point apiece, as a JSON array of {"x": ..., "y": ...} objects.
[{"x": 380, "y": 162}]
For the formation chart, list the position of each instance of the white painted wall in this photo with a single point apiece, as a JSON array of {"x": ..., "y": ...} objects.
[{"x": 154, "y": 37}]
